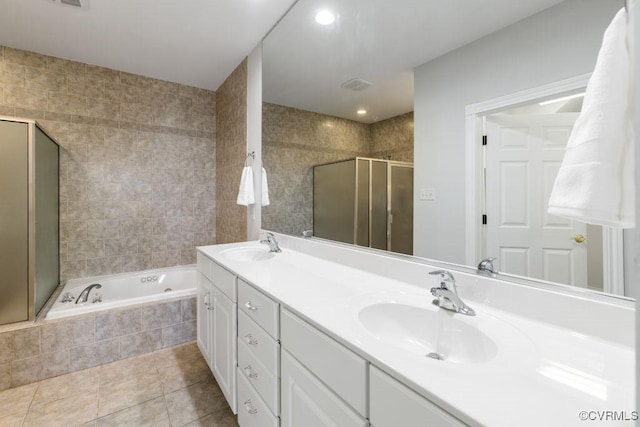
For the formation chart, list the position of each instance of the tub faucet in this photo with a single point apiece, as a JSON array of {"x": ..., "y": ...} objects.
[
  {"x": 271, "y": 242},
  {"x": 447, "y": 294},
  {"x": 486, "y": 267},
  {"x": 84, "y": 295}
]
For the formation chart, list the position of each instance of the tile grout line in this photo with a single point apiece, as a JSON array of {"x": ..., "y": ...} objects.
[
  {"x": 24, "y": 418},
  {"x": 164, "y": 394},
  {"x": 98, "y": 394},
  {"x": 166, "y": 406}
]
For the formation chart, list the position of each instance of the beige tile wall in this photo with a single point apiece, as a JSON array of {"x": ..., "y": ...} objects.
[
  {"x": 392, "y": 138},
  {"x": 293, "y": 141},
  {"x": 137, "y": 161},
  {"x": 231, "y": 146},
  {"x": 53, "y": 348}
]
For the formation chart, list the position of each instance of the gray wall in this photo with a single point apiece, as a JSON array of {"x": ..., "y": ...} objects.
[{"x": 555, "y": 44}]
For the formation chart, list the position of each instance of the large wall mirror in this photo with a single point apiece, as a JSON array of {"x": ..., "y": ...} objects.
[{"x": 367, "y": 123}]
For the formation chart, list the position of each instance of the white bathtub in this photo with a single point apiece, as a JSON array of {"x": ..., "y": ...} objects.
[{"x": 121, "y": 290}]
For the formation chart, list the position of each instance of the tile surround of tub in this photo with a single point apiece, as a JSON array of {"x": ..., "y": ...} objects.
[
  {"x": 49, "y": 349},
  {"x": 231, "y": 150},
  {"x": 295, "y": 140},
  {"x": 137, "y": 181}
]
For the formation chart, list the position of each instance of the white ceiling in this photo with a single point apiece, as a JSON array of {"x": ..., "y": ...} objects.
[
  {"x": 200, "y": 42},
  {"x": 193, "y": 42},
  {"x": 381, "y": 41}
]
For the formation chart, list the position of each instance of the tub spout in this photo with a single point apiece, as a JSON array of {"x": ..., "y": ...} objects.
[{"x": 84, "y": 295}]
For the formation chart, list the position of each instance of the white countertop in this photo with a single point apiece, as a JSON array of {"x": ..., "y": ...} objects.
[{"x": 542, "y": 374}]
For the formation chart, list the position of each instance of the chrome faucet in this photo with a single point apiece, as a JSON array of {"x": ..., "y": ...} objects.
[
  {"x": 271, "y": 242},
  {"x": 84, "y": 295},
  {"x": 447, "y": 294},
  {"x": 486, "y": 267}
]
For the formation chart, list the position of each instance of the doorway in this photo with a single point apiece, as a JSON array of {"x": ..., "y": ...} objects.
[{"x": 516, "y": 147}]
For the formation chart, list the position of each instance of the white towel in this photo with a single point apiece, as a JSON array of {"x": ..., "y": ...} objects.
[
  {"x": 595, "y": 183},
  {"x": 265, "y": 189},
  {"x": 246, "y": 195}
]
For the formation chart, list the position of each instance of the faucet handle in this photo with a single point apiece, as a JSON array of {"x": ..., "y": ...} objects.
[
  {"x": 486, "y": 266},
  {"x": 445, "y": 277}
]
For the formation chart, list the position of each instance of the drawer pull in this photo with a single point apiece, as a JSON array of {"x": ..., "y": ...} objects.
[
  {"x": 206, "y": 300},
  {"x": 249, "y": 407},
  {"x": 249, "y": 371},
  {"x": 250, "y": 340},
  {"x": 250, "y": 306}
]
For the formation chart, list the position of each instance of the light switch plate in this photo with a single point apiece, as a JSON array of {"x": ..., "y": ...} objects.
[{"x": 428, "y": 194}]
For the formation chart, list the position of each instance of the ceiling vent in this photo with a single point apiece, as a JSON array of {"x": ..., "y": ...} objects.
[
  {"x": 356, "y": 84},
  {"x": 76, "y": 4}
]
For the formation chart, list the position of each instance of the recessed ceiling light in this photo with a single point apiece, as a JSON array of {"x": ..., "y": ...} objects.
[
  {"x": 564, "y": 98},
  {"x": 361, "y": 112},
  {"x": 324, "y": 17}
]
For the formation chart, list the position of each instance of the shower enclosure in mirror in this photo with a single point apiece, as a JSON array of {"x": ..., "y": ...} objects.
[
  {"x": 395, "y": 79},
  {"x": 368, "y": 202},
  {"x": 294, "y": 141}
]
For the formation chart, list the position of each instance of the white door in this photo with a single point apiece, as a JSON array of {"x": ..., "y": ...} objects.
[
  {"x": 203, "y": 317},
  {"x": 524, "y": 153},
  {"x": 224, "y": 345}
]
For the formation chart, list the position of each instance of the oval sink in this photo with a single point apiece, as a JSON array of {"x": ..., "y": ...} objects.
[
  {"x": 247, "y": 254},
  {"x": 434, "y": 333}
]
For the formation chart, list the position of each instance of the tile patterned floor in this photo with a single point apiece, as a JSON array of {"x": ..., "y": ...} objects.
[{"x": 171, "y": 387}]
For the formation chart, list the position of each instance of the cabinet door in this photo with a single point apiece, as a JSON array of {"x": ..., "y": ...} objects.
[
  {"x": 204, "y": 316},
  {"x": 224, "y": 350},
  {"x": 306, "y": 401},
  {"x": 394, "y": 404},
  {"x": 343, "y": 371}
]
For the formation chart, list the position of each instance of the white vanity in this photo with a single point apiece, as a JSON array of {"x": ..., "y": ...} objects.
[{"x": 328, "y": 334}]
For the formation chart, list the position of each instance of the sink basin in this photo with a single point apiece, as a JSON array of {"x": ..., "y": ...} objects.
[
  {"x": 433, "y": 333},
  {"x": 247, "y": 254}
]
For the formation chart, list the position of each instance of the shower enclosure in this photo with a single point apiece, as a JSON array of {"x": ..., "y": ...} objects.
[
  {"x": 29, "y": 217},
  {"x": 368, "y": 202}
]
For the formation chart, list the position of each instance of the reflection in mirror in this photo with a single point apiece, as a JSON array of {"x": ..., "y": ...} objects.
[
  {"x": 524, "y": 150},
  {"x": 297, "y": 142},
  {"x": 387, "y": 59}
]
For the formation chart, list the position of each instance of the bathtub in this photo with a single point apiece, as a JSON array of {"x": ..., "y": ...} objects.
[{"x": 121, "y": 290}]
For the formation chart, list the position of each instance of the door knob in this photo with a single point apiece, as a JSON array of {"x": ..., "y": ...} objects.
[{"x": 579, "y": 238}]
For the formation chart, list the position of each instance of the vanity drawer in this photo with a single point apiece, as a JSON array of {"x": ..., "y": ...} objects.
[
  {"x": 259, "y": 376},
  {"x": 338, "y": 367},
  {"x": 204, "y": 265},
  {"x": 252, "y": 411},
  {"x": 259, "y": 307},
  {"x": 265, "y": 348},
  {"x": 224, "y": 280},
  {"x": 394, "y": 404}
]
